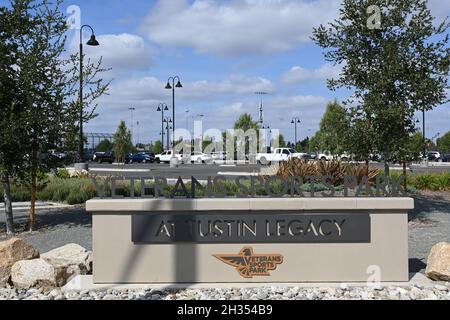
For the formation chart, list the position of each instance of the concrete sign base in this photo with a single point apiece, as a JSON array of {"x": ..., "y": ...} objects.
[{"x": 379, "y": 256}]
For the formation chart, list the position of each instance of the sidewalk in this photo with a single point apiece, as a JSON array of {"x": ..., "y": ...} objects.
[{"x": 39, "y": 206}]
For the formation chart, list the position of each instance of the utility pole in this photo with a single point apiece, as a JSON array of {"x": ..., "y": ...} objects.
[{"x": 261, "y": 108}]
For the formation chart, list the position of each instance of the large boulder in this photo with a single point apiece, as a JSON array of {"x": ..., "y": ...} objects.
[
  {"x": 438, "y": 267},
  {"x": 36, "y": 273},
  {"x": 12, "y": 251},
  {"x": 72, "y": 259}
]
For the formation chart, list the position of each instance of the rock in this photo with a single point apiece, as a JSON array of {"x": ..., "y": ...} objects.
[
  {"x": 71, "y": 259},
  {"x": 438, "y": 267},
  {"x": 12, "y": 251},
  {"x": 26, "y": 274}
]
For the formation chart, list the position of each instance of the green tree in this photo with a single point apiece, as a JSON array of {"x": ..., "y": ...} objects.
[
  {"x": 395, "y": 69},
  {"x": 157, "y": 147},
  {"x": 105, "y": 146},
  {"x": 122, "y": 142},
  {"x": 415, "y": 146},
  {"x": 443, "y": 143},
  {"x": 245, "y": 123},
  {"x": 40, "y": 81},
  {"x": 280, "y": 141},
  {"x": 334, "y": 128},
  {"x": 315, "y": 143},
  {"x": 12, "y": 138}
]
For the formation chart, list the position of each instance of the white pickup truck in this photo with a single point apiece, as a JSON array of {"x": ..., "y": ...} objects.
[
  {"x": 167, "y": 156},
  {"x": 278, "y": 155}
]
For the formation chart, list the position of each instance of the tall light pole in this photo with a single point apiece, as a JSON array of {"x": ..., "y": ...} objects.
[
  {"x": 201, "y": 116},
  {"x": 187, "y": 119},
  {"x": 161, "y": 108},
  {"x": 261, "y": 107},
  {"x": 172, "y": 87},
  {"x": 92, "y": 42},
  {"x": 132, "y": 109},
  {"x": 168, "y": 121},
  {"x": 295, "y": 122},
  {"x": 139, "y": 134}
]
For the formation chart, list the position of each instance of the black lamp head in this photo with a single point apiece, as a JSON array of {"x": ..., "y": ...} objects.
[
  {"x": 293, "y": 122},
  {"x": 179, "y": 85},
  {"x": 166, "y": 108},
  {"x": 168, "y": 86},
  {"x": 159, "y": 109},
  {"x": 93, "y": 42}
]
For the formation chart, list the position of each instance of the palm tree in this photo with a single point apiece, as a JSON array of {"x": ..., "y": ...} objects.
[{"x": 245, "y": 123}]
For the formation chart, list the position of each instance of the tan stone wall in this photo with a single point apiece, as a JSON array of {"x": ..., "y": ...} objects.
[{"x": 118, "y": 260}]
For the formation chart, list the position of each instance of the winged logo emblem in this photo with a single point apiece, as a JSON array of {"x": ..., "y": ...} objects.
[{"x": 249, "y": 264}]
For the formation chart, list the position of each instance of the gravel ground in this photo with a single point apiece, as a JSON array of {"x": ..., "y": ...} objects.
[
  {"x": 429, "y": 225},
  {"x": 439, "y": 292}
]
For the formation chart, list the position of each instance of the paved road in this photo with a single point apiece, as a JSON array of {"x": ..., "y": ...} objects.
[{"x": 204, "y": 171}]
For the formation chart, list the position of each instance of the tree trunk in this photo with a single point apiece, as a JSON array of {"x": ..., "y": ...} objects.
[
  {"x": 8, "y": 205},
  {"x": 33, "y": 192},
  {"x": 387, "y": 169},
  {"x": 405, "y": 175}
]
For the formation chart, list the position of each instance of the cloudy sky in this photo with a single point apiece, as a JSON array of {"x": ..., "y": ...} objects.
[{"x": 224, "y": 51}]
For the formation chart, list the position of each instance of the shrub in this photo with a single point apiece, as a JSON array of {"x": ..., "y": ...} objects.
[
  {"x": 432, "y": 182},
  {"x": 62, "y": 174},
  {"x": 336, "y": 169}
]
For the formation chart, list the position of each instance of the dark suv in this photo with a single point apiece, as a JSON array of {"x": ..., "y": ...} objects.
[
  {"x": 142, "y": 157},
  {"x": 107, "y": 157}
]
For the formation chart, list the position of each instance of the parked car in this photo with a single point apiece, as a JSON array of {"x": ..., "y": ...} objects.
[
  {"x": 108, "y": 157},
  {"x": 312, "y": 155},
  {"x": 142, "y": 157},
  {"x": 325, "y": 157},
  {"x": 345, "y": 157},
  {"x": 97, "y": 155},
  {"x": 219, "y": 156},
  {"x": 279, "y": 155},
  {"x": 433, "y": 156},
  {"x": 166, "y": 156},
  {"x": 199, "y": 157},
  {"x": 445, "y": 158}
]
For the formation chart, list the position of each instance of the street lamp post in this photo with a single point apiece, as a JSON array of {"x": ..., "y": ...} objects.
[
  {"x": 295, "y": 122},
  {"x": 201, "y": 116},
  {"x": 161, "y": 108},
  {"x": 168, "y": 121},
  {"x": 139, "y": 133},
  {"x": 92, "y": 42},
  {"x": 172, "y": 87},
  {"x": 187, "y": 119},
  {"x": 132, "y": 109}
]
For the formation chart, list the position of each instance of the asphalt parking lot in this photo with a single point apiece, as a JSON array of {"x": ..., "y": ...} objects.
[{"x": 203, "y": 171}]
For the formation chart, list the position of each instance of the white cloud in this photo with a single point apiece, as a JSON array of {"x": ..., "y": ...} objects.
[
  {"x": 299, "y": 101},
  {"x": 440, "y": 9},
  {"x": 237, "y": 27},
  {"x": 123, "y": 53},
  {"x": 232, "y": 109},
  {"x": 236, "y": 84},
  {"x": 300, "y": 75}
]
